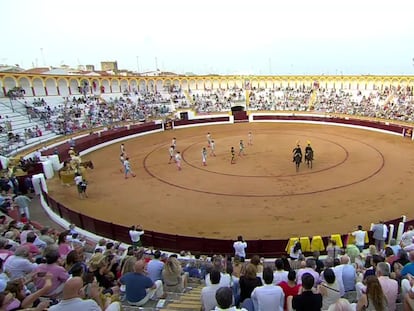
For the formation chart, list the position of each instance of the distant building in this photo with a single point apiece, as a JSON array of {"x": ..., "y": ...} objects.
[
  {"x": 109, "y": 66},
  {"x": 157, "y": 73},
  {"x": 90, "y": 68},
  {"x": 7, "y": 68}
]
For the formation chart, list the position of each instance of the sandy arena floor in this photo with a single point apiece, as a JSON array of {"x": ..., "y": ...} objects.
[{"x": 358, "y": 177}]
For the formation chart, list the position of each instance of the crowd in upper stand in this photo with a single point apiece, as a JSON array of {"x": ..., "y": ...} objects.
[{"x": 209, "y": 101}]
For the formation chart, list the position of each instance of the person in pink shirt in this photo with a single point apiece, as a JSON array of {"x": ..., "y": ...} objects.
[
  {"x": 64, "y": 246},
  {"x": 33, "y": 249},
  {"x": 52, "y": 266},
  {"x": 389, "y": 286}
]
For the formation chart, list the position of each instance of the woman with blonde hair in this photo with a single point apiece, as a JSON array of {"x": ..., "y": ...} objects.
[
  {"x": 373, "y": 298},
  {"x": 173, "y": 276}
]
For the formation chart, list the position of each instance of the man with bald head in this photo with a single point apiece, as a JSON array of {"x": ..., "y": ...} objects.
[
  {"x": 74, "y": 292},
  {"x": 139, "y": 287}
]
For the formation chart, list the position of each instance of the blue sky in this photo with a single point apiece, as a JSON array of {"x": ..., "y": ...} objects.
[{"x": 216, "y": 36}]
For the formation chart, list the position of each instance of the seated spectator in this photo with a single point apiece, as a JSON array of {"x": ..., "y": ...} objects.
[
  {"x": 172, "y": 274},
  {"x": 389, "y": 286},
  {"x": 224, "y": 278},
  {"x": 310, "y": 267},
  {"x": 352, "y": 251},
  {"x": 47, "y": 236},
  {"x": 319, "y": 263},
  {"x": 21, "y": 300},
  {"x": 333, "y": 250},
  {"x": 192, "y": 270},
  {"x": 64, "y": 246},
  {"x": 74, "y": 258},
  {"x": 52, "y": 266},
  {"x": 75, "y": 241},
  {"x": 208, "y": 293},
  {"x": 73, "y": 298},
  {"x": 389, "y": 255},
  {"x": 101, "y": 245},
  {"x": 345, "y": 274},
  {"x": 374, "y": 297},
  {"x": 248, "y": 282},
  {"x": 341, "y": 305},
  {"x": 329, "y": 289},
  {"x": 155, "y": 267},
  {"x": 374, "y": 260},
  {"x": 20, "y": 264},
  {"x": 307, "y": 300},
  {"x": 140, "y": 288},
  {"x": 237, "y": 266},
  {"x": 394, "y": 246},
  {"x": 5, "y": 251},
  {"x": 268, "y": 296},
  {"x": 100, "y": 266},
  {"x": 290, "y": 288},
  {"x": 257, "y": 262},
  {"x": 224, "y": 298},
  {"x": 33, "y": 249},
  {"x": 280, "y": 275}
]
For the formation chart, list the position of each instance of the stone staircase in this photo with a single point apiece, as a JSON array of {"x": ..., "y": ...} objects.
[{"x": 190, "y": 300}]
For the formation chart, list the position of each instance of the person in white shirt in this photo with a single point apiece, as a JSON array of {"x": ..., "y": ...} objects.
[
  {"x": 73, "y": 298},
  {"x": 208, "y": 293},
  {"x": 81, "y": 185},
  {"x": 359, "y": 238},
  {"x": 135, "y": 233},
  {"x": 224, "y": 298},
  {"x": 240, "y": 248},
  {"x": 407, "y": 237},
  {"x": 20, "y": 264},
  {"x": 280, "y": 275},
  {"x": 268, "y": 297}
]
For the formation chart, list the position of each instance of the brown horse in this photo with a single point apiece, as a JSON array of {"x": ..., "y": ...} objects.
[{"x": 87, "y": 164}]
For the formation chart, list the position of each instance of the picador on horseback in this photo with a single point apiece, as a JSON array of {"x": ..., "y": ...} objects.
[
  {"x": 309, "y": 155},
  {"x": 295, "y": 151},
  {"x": 309, "y": 151}
]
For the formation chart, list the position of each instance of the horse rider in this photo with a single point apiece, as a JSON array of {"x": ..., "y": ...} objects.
[
  {"x": 309, "y": 150},
  {"x": 297, "y": 150}
]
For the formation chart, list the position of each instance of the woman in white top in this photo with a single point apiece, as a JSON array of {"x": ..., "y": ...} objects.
[
  {"x": 296, "y": 251},
  {"x": 329, "y": 289}
]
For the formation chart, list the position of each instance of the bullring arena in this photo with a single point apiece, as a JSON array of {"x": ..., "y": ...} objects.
[
  {"x": 358, "y": 177},
  {"x": 362, "y": 170}
]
